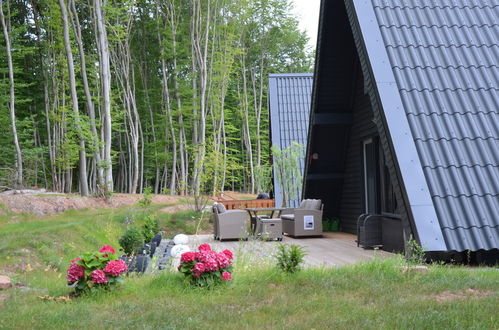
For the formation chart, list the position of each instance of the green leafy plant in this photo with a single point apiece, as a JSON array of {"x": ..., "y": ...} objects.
[
  {"x": 150, "y": 228},
  {"x": 97, "y": 270},
  {"x": 414, "y": 253},
  {"x": 147, "y": 199},
  {"x": 131, "y": 241},
  {"x": 206, "y": 268},
  {"x": 288, "y": 175},
  {"x": 289, "y": 257}
]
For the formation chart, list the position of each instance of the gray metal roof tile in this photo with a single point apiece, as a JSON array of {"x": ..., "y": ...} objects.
[
  {"x": 290, "y": 98},
  {"x": 444, "y": 56},
  {"x": 467, "y": 152}
]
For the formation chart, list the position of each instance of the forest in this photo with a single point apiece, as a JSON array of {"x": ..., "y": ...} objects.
[{"x": 102, "y": 96}]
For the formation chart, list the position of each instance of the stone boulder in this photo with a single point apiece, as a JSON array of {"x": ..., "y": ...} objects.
[{"x": 5, "y": 282}]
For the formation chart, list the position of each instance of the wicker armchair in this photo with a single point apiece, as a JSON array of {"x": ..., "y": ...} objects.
[
  {"x": 305, "y": 220},
  {"x": 232, "y": 224},
  {"x": 369, "y": 233}
]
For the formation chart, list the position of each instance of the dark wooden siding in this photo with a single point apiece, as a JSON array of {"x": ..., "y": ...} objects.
[{"x": 351, "y": 205}]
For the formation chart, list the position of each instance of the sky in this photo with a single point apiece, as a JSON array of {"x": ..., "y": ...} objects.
[{"x": 308, "y": 13}]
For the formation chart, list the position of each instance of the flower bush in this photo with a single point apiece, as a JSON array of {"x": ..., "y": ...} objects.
[
  {"x": 206, "y": 267},
  {"x": 98, "y": 270}
]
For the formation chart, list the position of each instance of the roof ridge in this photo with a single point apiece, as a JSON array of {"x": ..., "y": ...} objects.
[
  {"x": 460, "y": 166},
  {"x": 437, "y": 6},
  {"x": 448, "y": 88},
  {"x": 433, "y": 113},
  {"x": 442, "y": 46},
  {"x": 439, "y": 26},
  {"x": 459, "y": 139},
  {"x": 446, "y": 66}
]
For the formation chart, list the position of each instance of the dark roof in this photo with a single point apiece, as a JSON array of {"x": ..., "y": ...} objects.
[
  {"x": 289, "y": 98},
  {"x": 437, "y": 62}
]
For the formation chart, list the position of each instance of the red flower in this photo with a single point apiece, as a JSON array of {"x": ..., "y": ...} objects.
[
  {"x": 205, "y": 256},
  {"x": 228, "y": 253},
  {"x": 226, "y": 276},
  {"x": 75, "y": 260},
  {"x": 107, "y": 248},
  {"x": 222, "y": 260},
  {"x": 188, "y": 256},
  {"x": 204, "y": 247},
  {"x": 99, "y": 277},
  {"x": 75, "y": 272},
  {"x": 198, "y": 269},
  {"x": 211, "y": 265},
  {"x": 115, "y": 267}
]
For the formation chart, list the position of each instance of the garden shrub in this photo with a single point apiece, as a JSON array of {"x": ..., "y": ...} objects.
[
  {"x": 132, "y": 241},
  {"x": 289, "y": 257},
  {"x": 147, "y": 199},
  {"x": 98, "y": 270},
  {"x": 206, "y": 268},
  {"x": 150, "y": 228}
]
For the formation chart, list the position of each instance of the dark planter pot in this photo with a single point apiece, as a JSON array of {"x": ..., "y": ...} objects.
[
  {"x": 157, "y": 239},
  {"x": 137, "y": 263}
]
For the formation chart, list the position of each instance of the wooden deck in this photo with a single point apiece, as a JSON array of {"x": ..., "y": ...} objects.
[{"x": 334, "y": 249}]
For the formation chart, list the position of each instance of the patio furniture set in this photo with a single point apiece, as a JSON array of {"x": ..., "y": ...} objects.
[{"x": 268, "y": 222}]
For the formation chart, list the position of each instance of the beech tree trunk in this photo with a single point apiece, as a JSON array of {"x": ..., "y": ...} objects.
[
  {"x": 74, "y": 100},
  {"x": 12, "y": 108}
]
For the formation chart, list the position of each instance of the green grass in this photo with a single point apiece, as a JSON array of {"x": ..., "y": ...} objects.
[
  {"x": 374, "y": 295},
  {"x": 56, "y": 239}
]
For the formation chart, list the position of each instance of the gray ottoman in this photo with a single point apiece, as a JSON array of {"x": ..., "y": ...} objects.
[{"x": 270, "y": 228}]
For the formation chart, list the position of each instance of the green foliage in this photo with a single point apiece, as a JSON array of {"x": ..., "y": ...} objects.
[
  {"x": 131, "y": 241},
  {"x": 91, "y": 262},
  {"x": 147, "y": 197},
  {"x": 289, "y": 257},
  {"x": 150, "y": 228},
  {"x": 414, "y": 253},
  {"x": 286, "y": 162}
]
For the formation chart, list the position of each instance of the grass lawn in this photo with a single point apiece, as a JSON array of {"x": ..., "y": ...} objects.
[{"x": 371, "y": 295}]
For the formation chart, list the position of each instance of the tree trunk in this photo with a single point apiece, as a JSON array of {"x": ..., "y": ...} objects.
[
  {"x": 105, "y": 75},
  {"x": 90, "y": 103},
  {"x": 74, "y": 100},
  {"x": 12, "y": 109}
]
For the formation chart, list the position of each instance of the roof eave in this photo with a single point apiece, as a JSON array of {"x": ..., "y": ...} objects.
[{"x": 406, "y": 156}]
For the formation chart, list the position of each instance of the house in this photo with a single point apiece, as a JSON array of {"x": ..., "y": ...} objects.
[
  {"x": 405, "y": 121},
  {"x": 289, "y": 102}
]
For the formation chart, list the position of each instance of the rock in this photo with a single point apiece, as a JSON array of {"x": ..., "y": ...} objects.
[
  {"x": 181, "y": 239},
  {"x": 415, "y": 269},
  {"x": 5, "y": 282}
]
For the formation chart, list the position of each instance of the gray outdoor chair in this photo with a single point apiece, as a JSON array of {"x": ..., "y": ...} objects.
[
  {"x": 369, "y": 233},
  {"x": 232, "y": 224},
  {"x": 306, "y": 220}
]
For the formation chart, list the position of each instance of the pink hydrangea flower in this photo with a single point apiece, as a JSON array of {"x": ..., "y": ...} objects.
[
  {"x": 226, "y": 276},
  {"x": 75, "y": 272},
  {"x": 99, "y": 277},
  {"x": 75, "y": 260},
  {"x": 211, "y": 265},
  {"x": 198, "y": 269},
  {"x": 188, "y": 256},
  {"x": 222, "y": 260},
  {"x": 115, "y": 267},
  {"x": 204, "y": 247},
  {"x": 228, "y": 253},
  {"x": 107, "y": 248},
  {"x": 205, "y": 256}
]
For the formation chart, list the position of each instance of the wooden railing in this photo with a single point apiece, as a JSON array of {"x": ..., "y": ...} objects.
[{"x": 246, "y": 203}]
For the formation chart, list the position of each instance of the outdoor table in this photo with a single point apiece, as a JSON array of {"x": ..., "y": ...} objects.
[{"x": 253, "y": 213}]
